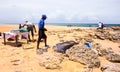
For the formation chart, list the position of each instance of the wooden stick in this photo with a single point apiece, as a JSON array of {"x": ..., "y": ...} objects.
[
  {"x": 16, "y": 39},
  {"x": 4, "y": 39}
]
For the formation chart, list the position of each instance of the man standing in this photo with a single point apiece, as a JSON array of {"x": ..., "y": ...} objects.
[
  {"x": 100, "y": 25},
  {"x": 41, "y": 32},
  {"x": 30, "y": 27}
]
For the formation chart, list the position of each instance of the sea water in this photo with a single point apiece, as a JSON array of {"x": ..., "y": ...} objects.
[
  {"x": 74, "y": 24},
  {"x": 81, "y": 24}
]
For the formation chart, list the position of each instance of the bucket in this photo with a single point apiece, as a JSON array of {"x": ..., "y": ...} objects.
[{"x": 88, "y": 44}]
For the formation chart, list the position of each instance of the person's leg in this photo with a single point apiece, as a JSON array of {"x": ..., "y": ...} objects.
[
  {"x": 39, "y": 39},
  {"x": 32, "y": 33},
  {"x": 38, "y": 43},
  {"x": 29, "y": 37},
  {"x": 28, "y": 28},
  {"x": 45, "y": 40}
]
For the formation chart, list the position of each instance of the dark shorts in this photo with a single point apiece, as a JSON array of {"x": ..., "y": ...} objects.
[
  {"x": 41, "y": 34},
  {"x": 30, "y": 28}
]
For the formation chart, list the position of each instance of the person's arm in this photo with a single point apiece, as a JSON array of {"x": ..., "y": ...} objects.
[
  {"x": 34, "y": 27},
  {"x": 45, "y": 29},
  {"x": 24, "y": 25}
]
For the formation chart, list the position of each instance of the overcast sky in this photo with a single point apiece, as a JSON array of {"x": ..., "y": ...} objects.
[{"x": 60, "y": 11}]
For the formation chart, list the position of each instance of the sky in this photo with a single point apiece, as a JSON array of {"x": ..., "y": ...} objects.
[{"x": 60, "y": 11}]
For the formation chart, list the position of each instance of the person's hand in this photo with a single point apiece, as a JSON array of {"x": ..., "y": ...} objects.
[
  {"x": 22, "y": 26},
  {"x": 45, "y": 29},
  {"x": 35, "y": 31}
]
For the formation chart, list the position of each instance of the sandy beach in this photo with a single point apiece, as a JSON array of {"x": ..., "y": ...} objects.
[{"x": 20, "y": 59}]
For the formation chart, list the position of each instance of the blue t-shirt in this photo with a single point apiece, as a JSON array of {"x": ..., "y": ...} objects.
[{"x": 41, "y": 24}]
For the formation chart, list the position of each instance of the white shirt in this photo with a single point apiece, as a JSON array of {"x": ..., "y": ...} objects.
[
  {"x": 29, "y": 23},
  {"x": 99, "y": 24}
]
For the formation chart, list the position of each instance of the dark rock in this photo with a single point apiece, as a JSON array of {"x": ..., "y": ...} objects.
[
  {"x": 18, "y": 44},
  {"x": 10, "y": 39},
  {"x": 62, "y": 47}
]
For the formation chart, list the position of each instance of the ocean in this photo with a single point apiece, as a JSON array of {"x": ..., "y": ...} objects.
[
  {"x": 74, "y": 24},
  {"x": 81, "y": 24}
]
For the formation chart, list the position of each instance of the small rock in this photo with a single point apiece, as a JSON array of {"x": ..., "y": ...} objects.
[{"x": 39, "y": 51}]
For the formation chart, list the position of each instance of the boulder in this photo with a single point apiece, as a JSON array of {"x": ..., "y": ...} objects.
[
  {"x": 115, "y": 37},
  {"x": 84, "y": 55},
  {"x": 50, "y": 60},
  {"x": 114, "y": 57},
  {"x": 111, "y": 67},
  {"x": 98, "y": 48},
  {"x": 100, "y": 36},
  {"x": 106, "y": 51},
  {"x": 115, "y": 28},
  {"x": 111, "y": 33},
  {"x": 110, "y": 55},
  {"x": 62, "y": 47}
]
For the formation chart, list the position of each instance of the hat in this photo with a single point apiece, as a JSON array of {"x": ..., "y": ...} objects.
[
  {"x": 26, "y": 21},
  {"x": 44, "y": 16}
]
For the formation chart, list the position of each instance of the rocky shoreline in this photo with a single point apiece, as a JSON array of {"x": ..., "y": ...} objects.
[
  {"x": 82, "y": 54},
  {"x": 67, "y": 51}
]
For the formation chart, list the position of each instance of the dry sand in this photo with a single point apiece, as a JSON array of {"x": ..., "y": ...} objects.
[{"x": 18, "y": 59}]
